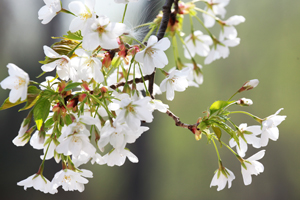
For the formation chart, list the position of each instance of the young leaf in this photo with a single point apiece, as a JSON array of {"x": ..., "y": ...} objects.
[
  {"x": 7, "y": 104},
  {"x": 217, "y": 131},
  {"x": 41, "y": 111},
  {"x": 74, "y": 36},
  {"x": 218, "y": 105},
  {"x": 32, "y": 97}
]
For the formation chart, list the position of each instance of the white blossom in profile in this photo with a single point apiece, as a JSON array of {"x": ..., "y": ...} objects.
[
  {"x": 17, "y": 82},
  {"x": 269, "y": 128},
  {"x": 153, "y": 56},
  {"x": 214, "y": 8},
  {"x": 252, "y": 167},
  {"x": 250, "y": 134},
  {"x": 49, "y": 11},
  {"x": 221, "y": 178},
  {"x": 62, "y": 65},
  {"x": 221, "y": 50},
  {"x": 38, "y": 182},
  {"x": 71, "y": 180},
  {"x": 197, "y": 43},
  {"x": 229, "y": 30},
  {"x": 118, "y": 157},
  {"x": 22, "y": 138}
]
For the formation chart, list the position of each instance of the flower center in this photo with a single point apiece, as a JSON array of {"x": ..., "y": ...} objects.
[
  {"x": 85, "y": 16},
  {"x": 150, "y": 51},
  {"x": 20, "y": 83},
  {"x": 67, "y": 179}
]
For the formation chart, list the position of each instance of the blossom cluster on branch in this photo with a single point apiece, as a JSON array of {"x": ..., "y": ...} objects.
[{"x": 105, "y": 88}]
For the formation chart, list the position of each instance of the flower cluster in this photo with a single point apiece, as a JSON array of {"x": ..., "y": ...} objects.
[{"x": 104, "y": 89}]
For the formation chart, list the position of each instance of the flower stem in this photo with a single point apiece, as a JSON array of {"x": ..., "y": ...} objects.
[
  {"x": 124, "y": 13},
  {"x": 259, "y": 120}
]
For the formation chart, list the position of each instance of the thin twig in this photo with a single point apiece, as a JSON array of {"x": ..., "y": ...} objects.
[
  {"x": 136, "y": 80},
  {"x": 191, "y": 127}
]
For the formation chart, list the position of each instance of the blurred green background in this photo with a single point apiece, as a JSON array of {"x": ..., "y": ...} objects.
[{"x": 172, "y": 165}]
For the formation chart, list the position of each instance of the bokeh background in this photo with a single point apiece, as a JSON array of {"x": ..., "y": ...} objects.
[{"x": 172, "y": 165}]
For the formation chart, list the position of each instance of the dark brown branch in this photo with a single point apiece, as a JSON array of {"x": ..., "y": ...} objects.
[
  {"x": 191, "y": 127},
  {"x": 136, "y": 80},
  {"x": 165, "y": 19},
  {"x": 150, "y": 84}
]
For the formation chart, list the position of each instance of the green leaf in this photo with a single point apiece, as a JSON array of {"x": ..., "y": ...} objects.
[
  {"x": 7, "y": 104},
  {"x": 49, "y": 122},
  {"x": 32, "y": 97},
  {"x": 41, "y": 111},
  {"x": 226, "y": 128},
  {"x": 71, "y": 86},
  {"x": 68, "y": 120},
  {"x": 74, "y": 36},
  {"x": 218, "y": 105},
  {"x": 217, "y": 131}
]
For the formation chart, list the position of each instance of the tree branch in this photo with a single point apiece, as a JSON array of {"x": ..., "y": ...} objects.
[
  {"x": 191, "y": 127},
  {"x": 136, "y": 80}
]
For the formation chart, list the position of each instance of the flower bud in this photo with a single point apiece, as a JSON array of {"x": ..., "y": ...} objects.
[
  {"x": 244, "y": 102},
  {"x": 249, "y": 85}
]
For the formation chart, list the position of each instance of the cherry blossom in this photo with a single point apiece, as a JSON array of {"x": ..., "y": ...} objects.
[
  {"x": 118, "y": 157},
  {"x": 17, "y": 82},
  {"x": 71, "y": 180},
  {"x": 269, "y": 128},
  {"x": 221, "y": 177},
  {"x": 214, "y": 8},
  {"x": 175, "y": 81},
  {"x": 153, "y": 55},
  {"x": 49, "y": 11},
  {"x": 252, "y": 167},
  {"x": 38, "y": 182},
  {"x": 84, "y": 13},
  {"x": 197, "y": 43},
  {"x": 104, "y": 33},
  {"x": 125, "y": 1},
  {"x": 229, "y": 30}
]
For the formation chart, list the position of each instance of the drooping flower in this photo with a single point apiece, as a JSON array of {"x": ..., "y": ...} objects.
[
  {"x": 84, "y": 12},
  {"x": 17, "y": 82},
  {"x": 252, "y": 167},
  {"x": 71, "y": 180},
  {"x": 229, "y": 30},
  {"x": 63, "y": 69},
  {"x": 118, "y": 157},
  {"x": 175, "y": 81},
  {"x": 214, "y": 8},
  {"x": 49, "y": 11},
  {"x": 221, "y": 50},
  {"x": 104, "y": 33},
  {"x": 250, "y": 135},
  {"x": 38, "y": 182},
  {"x": 153, "y": 56},
  {"x": 269, "y": 128},
  {"x": 221, "y": 177},
  {"x": 197, "y": 43},
  {"x": 249, "y": 85}
]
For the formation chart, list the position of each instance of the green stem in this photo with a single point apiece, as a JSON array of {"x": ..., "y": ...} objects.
[
  {"x": 67, "y": 11},
  {"x": 232, "y": 96},
  {"x": 124, "y": 13},
  {"x": 201, "y": 22},
  {"x": 219, "y": 158},
  {"x": 147, "y": 92},
  {"x": 142, "y": 25},
  {"x": 259, "y": 120}
]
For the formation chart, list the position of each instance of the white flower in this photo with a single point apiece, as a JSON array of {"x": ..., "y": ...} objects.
[
  {"x": 71, "y": 180},
  {"x": 132, "y": 112},
  {"x": 249, "y": 134},
  {"x": 216, "y": 7},
  {"x": 221, "y": 50},
  {"x": 153, "y": 55},
  {"x": 84, "y": 12},
  {"x": 38, "y": 182},
  {"x": 175, "y": 81},
  {"x": 197, "y": 43},
  {"x": 63, "y": 69},
  {"x": 118, "y": 157},
  {"x": 50, "y": 81},
  {"x": 195, "y": 74},
  {"x": 125, "y": 1},
  {"x": 229, "y": 30},
  {"x": 269, "y": 128},
  {"x": 244, "y": 102},
  {"x": 48, "y": 11},
  {"x": 253, "y": 167},
  {"x": 88, "y": 67},
  {"x": 104, "y": 33},
  {"x": 17, "y": 81},
  {"x": 21, "y": 139},
  {"x": 221, "y": 177},
  {"x": 159, "y": 105}
]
